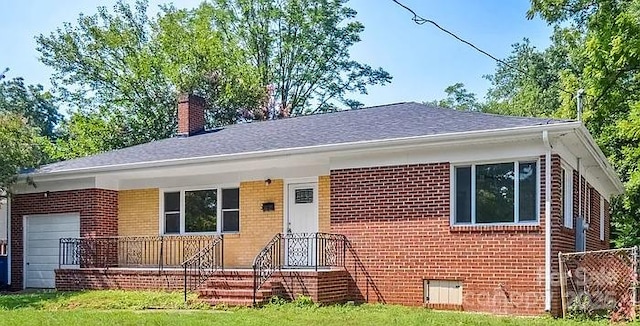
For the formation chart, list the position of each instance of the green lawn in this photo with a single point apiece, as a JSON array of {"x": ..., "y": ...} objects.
[{"x": 155, "y": 308}]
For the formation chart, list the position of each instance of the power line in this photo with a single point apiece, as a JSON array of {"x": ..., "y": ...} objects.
[{"x": 421, "y": 21}]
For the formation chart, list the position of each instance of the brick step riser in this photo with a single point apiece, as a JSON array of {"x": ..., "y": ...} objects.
[
  {"x": 216, "y": 283},
  {"x": 235, "y": 294},
  {"x": 234, "y": 287},
  {"x": 237, "y": 290},
  {"x": 234, "y": 303}
]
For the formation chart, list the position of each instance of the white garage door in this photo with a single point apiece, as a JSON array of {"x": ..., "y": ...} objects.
[{"x": 43, "y": 233}]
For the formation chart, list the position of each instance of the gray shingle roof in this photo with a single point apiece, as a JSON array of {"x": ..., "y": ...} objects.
[{"x": 374, "y": 123}]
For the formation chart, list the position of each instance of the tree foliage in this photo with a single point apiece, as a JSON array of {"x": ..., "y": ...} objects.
[
  {"x": 129, "y": 67},
  {"x": 301, "y": 47},
  {"x": 459, "y": 98},
  {"x": 122, "y": 70},
  {"x": 32, "y": 103},
  {"x": 19, "y": 149},
  {"x": 610, "y": 74},
  {"x": 596, "y": 47},
  {"x": 28, "y": 120}
]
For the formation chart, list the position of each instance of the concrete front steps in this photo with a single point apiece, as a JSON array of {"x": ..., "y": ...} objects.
[{"x": 235, "y": 288}]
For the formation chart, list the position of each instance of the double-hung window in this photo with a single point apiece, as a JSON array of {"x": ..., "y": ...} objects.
[
  {"x": 198, "y": 211},
  {"x": 496, "y": 193}
]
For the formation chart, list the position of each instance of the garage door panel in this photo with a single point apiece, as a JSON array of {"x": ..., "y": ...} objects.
[
  {"x": 41, "y": 275},
  {"x": 43, "y": 243},
  {"x": 53, "y": 227},
  {"x": 34, "y": 260},
  {"x": 43, "y": 233},
  {"x": 36, "y": 252},
  {"x": 51, "y": 235}
]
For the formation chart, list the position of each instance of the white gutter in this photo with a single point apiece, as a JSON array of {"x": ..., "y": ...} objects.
[
  {"x": 469, "y": 136},
  {"x": 547, "y": 221},
  {"x": 580, "y": 204}
]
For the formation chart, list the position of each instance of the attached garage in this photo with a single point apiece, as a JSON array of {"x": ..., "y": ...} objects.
[{"x": 42, "y": 235}]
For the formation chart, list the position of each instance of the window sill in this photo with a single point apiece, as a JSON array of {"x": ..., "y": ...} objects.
[{"x": 496, "y": 228}]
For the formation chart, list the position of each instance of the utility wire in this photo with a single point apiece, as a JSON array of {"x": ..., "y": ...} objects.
[{"x": 421, "y": 21}]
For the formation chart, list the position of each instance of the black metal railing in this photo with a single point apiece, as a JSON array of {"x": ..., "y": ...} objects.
[
  {"x": 199, "y": 267},
  {"x": 298, "y": 250},
  {"x": 131, "y": 251}
]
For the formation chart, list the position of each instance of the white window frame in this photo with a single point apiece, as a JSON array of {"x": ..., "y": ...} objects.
[
  {"x": 567, "y": 190},
  {"x": 218, "y": 189},
  {"x": 516, "y": 200},
  {"x": 602, "y": 219},
  {"x": 221, "y": 211}
]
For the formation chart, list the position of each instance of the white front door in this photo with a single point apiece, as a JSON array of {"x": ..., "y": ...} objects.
[
  {"x": 42, "y": 239},
  {"x": 301, "y": 223}
]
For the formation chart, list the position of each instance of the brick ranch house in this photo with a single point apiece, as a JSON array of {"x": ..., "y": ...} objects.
[{"x": 401, "y": 203}]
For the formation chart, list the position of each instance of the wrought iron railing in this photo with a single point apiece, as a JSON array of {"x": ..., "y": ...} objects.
[
  {"x": 199, "y": 267},
  {"x": 3, "y": 247},
  {"x": 298, "y": 250},
  {"x": 131, "y": 251}
]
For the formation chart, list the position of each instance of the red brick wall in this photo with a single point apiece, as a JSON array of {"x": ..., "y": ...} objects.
[
  {"x": 323, "y": 287},
  {"x": 562, "y": 238},
  {"x": 593, "y": 234},
  {"x": 98, "y": 209},
  {"x": 106, "y": 279},
  {"x": 398, "y": 221},
  {"x": 190, "y": 114}
]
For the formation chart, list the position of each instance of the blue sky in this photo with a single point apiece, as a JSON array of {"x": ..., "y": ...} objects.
[{"x": 422, "y": 59}]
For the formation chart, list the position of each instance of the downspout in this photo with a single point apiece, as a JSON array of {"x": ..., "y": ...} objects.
[
  {"x": 580, "y": 203},
  {"x": 547, "y": 221},
  {"x": 9, "y": 246}
]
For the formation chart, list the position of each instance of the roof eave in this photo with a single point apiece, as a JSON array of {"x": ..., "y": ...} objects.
[{"x": 603, "y": 162}]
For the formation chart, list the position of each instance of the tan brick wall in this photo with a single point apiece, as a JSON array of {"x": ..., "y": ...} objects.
[
  {"x": 138, "y": 212},
  {"x": 324, "y": 203},
  {"x": 256, "y": 227},
  {"x": 138, "y": 215}
]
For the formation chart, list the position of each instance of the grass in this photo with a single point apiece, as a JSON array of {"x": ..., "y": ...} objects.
[{"x": 157, "y": 308}]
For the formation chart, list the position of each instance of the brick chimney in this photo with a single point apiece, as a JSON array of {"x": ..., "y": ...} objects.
[{"x": 190, "y": 114}]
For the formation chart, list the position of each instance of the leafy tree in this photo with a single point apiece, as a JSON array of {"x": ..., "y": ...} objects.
[
  {"x": 260, "y": 59},
  {"x": 19, "y": 149},
  {"x": 598, "y": 51},
  {"x": 125, "y": 64},
  {"x": 86, "y": 133},
  {"x": 197, "y": 57},
  {"x": 459, "y": 98},
  {"x": 538, "y": 86},
  {"x": 594, "y": 47},
  {"x": 31, "y": 102},
  {"x": 301, "y": 47}
]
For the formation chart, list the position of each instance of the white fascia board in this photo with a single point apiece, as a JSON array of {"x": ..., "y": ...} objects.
[
  {"x": 469, "y": 137},
  {"x": 603, "y": 162},
  {"x": 62, "y": 184}
]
